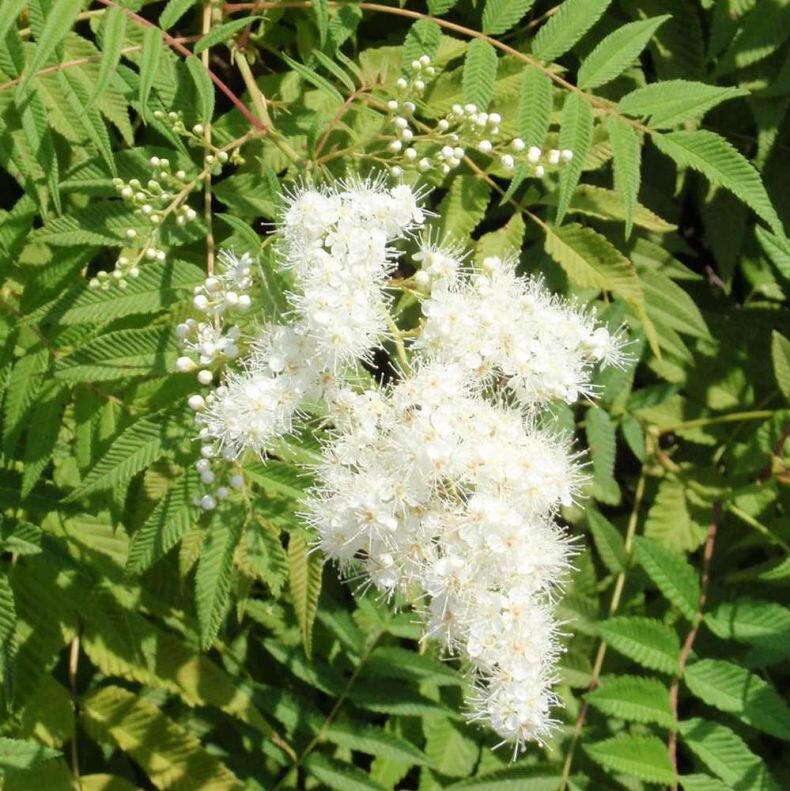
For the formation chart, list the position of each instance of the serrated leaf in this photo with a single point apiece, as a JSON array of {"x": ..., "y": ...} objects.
[
  {"x": 535, "y": 104},
  {"x": 731, "y": 688},
  {"x": 214, "y": 575},
  {"x": 114, "y": 32},
  {"x": 43, "y": 431},
  {"x": 16, "y": 754},
  {"x": 764, "y": 624},
  {"x": 505, "y": 242},
  {"x": 564, "y": 28},
  {"x": 450, "y": 749},
  {"x": 7, "y": 612},
  {"x": 163, "y": 529},
  {"x": 116, "y": 355},
  {"x": 669, "y": 520},
  {"x": 615, "y": 53},
  {"x": 727, "y": 755},
  {"x": 22, "y": 388},
  {"x": 340, "y": 776},
  {"x": 422, "y": 39},
  {"x": 205, "y": 88},
  {"x": 645, "y": 640},
  {"x": 627, "y": 165},
  {"x": 722, "y": 164},
  {"x": 672, "y": 102},
  {"x": 153, "y": 48},
  {"x": 608, "y": 541},
  {"x": 315, "y": 79},
  {"x": 388, "y": 697},
  {"x": 592, "y": 261},
  {"x": 321, "y": 14},
  {"x": 633, "y": 698},
  {"x": 169, "y": 754},
  {"x": 221, "y": 33},
  {"x": 602, "y": 442},
  {"x": 157, "y": 287},
  {"x": 462, "y": 208},
  {"x": 374, "y": 741},
  {"x": 393, "y": 661},
  {"x": 672, "y": 575},
  {"x": 668, "y": 305},
  {"x": 305, "y": 570},
  {"x": 173, "y": 11},
  {"x": 576, "y": 128},
  {"x": 501, "y": 15},
  {"x": 513, "y": 778},
  {"x": 136, "y": 448},
  {"x": 645, "y": 757},
  {"x": 780, "y": 355},
  {"x": 480, "y": 67},
  {"x": 56, "y": 26},
  {"x": 439, "y": 7}
]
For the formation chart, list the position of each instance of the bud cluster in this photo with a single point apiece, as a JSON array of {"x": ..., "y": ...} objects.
[
  {"x": 441, "y": 487},
  {"x": 465, "y": 128}
]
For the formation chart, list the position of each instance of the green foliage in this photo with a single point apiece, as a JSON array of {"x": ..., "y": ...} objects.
[{"x": 148, "y": 643}]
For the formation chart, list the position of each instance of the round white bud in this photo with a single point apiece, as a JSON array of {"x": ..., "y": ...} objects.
[
  {"x": 205, "y": 377},
  {"x": 196, "y": 402}
]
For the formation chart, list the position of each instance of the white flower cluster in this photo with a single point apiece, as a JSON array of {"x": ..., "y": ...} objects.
[
  {"x": 465, "y": 127},
  {"x": 441, "y": 487},
  {"x": 335, "y": 243},
  {"x": 499, "y": 326}
]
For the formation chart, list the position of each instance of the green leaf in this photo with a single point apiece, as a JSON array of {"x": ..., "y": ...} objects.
[
  {"x": 564, "y": 28},
  {"x": 764, "y": 624},
  {"x": 149, "y": 65},
  {"x": 608, "y": 541},
  {"x": 205, "y": 88},
  {"x": 448, "y": 745},
  {"x": 43, "y": 431},
  {"x": 375, "y": 741},
  {"x": 727, "y": 755},
  {"x": 56, "y": 26},
  {"x": 169, "y": 754},
  {"x": 780, "y": 354},
  {"x": 321, "y": 14},
  {"x": 439, "y": 7},
  {"x": 315, "y": 79},
  {"x": 462, "y": 208},
  {"x": 576, "y": 135},
  {"x": 480, "y": 67},
  {"x": 615, "y": 53},
  {"x": 393, "y": 661},
  {"x": 669, "y": 520},
  {"x": 513, "y": 778},
  {"x": 8, "y": 19},
  {"x": 173, "y": 11},
  {"x": 173, "y": 516},
  {"x": 602, "y": 442},
  {"x": 627, "y": 164},
  {"x": 22, "y": 388},
  {"x": 221, "y": 33},
  {"x": 157, "y": 287},
  {"x": 114, "y": 30},
  {"x": 592, "y": 261},
  {"x": 134, "y": 450},
  {"x": 116, "y": 355},
  {"x": 633, "y": 698},
  {"x": 672, "y": 575},
  {"x": 337, "y": 775},
  {"x": 672, "y": 102},
  {"x": 422, "y": 39},
  {"x": 668, "y": 305},
  {"x": 722, "y": 164},
  {"x": 645, "y": 640},
  {"x": 7, "y": 612},
  {"x": 731, "y": 688},
  {"x": 305, "y": 570},
  {"x": 505, "y": 242},
  {"x": 20, "y": 754},
  {"x": 535, "y": 104},
  {"x": 215, "y": 574},
  {"x": 645, "y": 757},
  {"x": 501, "y": 15}
]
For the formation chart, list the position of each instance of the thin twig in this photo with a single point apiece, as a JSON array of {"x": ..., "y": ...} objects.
[
  {"x": 208, "y": 214},
  {"x": 692, "y": 635},
  {"x": 74, "y": 659}
]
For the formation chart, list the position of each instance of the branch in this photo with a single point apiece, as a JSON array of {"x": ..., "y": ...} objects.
[{"x": 692, "y": 636}]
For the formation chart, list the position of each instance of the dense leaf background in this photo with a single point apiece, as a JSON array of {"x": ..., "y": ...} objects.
[{"x": 145, "y": 644}]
